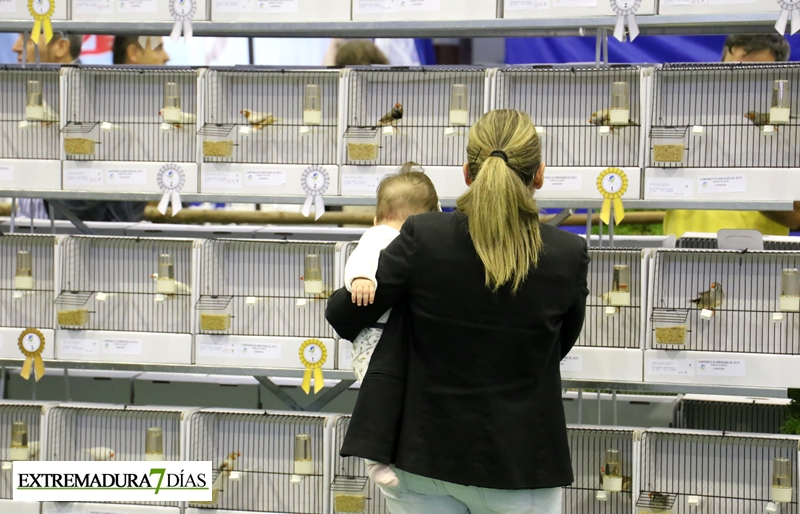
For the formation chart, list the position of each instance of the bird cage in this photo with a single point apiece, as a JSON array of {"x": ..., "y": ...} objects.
[
  {"x": 125, "y": 300},
  {"x": 731, "y": 413},
  {"x": 343, "y": 252},
  {"x": 709, "y": 241},
  {"x": 130, "y": 129},
  {"x": 20, "y": 10},
  {"x": 116, "y": 433},
  {"x": 527, "y": 9},
  {"x": 147, "y": 11},
  {"x": 396, "y": 115},
  {"x": 281, "y": 10},
  {"x": 592, "y": 120},
  {"x": 20, "y": 429},
  {"x": 351, "y": 488},
  {"x": 262, "y": 461},
  {"x": 261, "y": 301},
  {"x": 29, "y": 129},
  {"x": 265, "y": 130},
  {"x": 605, "y": 463},
  {"x": 27, "y": 290},
  {"x": 423, "y": 10},
  {"x": 609, "y": 346},
  {"x": 723, "y": 317},
  {"x": 723, "y": 132},
  {"x": 689, "y": 471}
]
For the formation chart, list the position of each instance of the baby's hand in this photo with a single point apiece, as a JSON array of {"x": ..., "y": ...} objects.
[{"x": 363, "y": 291}]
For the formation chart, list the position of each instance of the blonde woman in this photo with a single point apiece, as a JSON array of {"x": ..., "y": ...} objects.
[{"x": 492, "y": 302}]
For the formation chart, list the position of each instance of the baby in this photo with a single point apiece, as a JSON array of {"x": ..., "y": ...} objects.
[{"x": 399, "y": 196}]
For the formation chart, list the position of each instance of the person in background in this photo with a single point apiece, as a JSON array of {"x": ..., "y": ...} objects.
[
  {"x": 62, "y": 49},
  {"x": 141, "y": 50},
  {"x": 353, "y": 52},
  {"x": 751, "y": 49}
]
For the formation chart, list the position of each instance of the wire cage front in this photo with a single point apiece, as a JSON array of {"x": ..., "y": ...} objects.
[
  {"x": 597, "y": 489},
  {"x": 125, "y": 284},
  {"x": 29, "y": 113},
  {"x": 350, "y": 484},
  {"x": 20, "y": 439},
  {"x": 96, "y": 432},
  {"x": 731, "y": 414},
  {"x": 722, "y": 116},
  {"x": 261, "y": 461},
  {"x": 130, "y": 114},
  {"x": 694, "y": 471},
  {"x": 27, "y": 284},
  {"x": 572, "y": 108},
  {"x": 275, "y": 116}
]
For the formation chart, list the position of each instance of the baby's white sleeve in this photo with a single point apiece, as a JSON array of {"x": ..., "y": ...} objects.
[{"x": 363, "y": 262}]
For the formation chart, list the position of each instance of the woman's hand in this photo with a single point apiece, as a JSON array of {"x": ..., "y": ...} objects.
[{"x": 363, "y": 291}]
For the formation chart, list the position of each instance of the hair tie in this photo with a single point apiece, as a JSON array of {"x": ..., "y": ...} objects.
[{"x": 501, "y": 154}]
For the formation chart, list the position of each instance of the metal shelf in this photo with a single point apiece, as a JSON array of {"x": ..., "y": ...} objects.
[
  {"x": 634, "y": 387},
  {"x": 545, "y": 203},
  {"x": 648, "y": 25}
]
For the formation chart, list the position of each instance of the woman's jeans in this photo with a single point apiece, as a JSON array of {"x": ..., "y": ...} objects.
[{"x": 420, "y": 495}]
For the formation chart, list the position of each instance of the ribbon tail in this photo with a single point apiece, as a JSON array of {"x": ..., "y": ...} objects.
[
  {"x": 619, "y": 28},
  {"x": 306, "y": 210},
  {"x": 38, "y": 367},
  {"x": 176, "y": 31},
  {"x": 37, "y": 31},
  {"x": 187, "y": 31},
  {"x": 319, "y": 380},
  {"x": 48, "y": 30},
  {"x": 795, "y": 21},
  {"x": 306, "y": 386},
  {"x": 619, "y": 211},
  {"x": 26, "y": 368},
  {"x": 605, "y": 211},
  {"x": 319, "y": 207},
  {"x": 176, "y": 203},
  {"x": 780, "y": 25},
  {"x": 633, "y": 27},
  {"x": 163, "y": 204}
]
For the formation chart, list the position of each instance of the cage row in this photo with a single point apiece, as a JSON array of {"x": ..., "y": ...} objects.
[
  {"x": 289, "y": 462},
  {"x": 653, "y": 314},
  {"x": 671, "y": 132},
  {"x": 277, "y": 11}
]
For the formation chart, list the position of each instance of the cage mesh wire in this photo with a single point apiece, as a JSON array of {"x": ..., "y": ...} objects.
[
  {"x": 10, "y": 413},
  {"x": 345, "y": 251},
  {"x": 717, "y": 97},
  {"x": 351, "y": 470},
  {"x": 751, "y": 282},
  {"x": 279, "y": 92},
  {"x": 730, "y": 416},
  {"x": 730, "y": 473},
  {"x": 573, "y": 94},
  {"x": 34, "y": 307},
  {"x": 266, "y": 443},
  {"x": 623, "y": 329},
  {"x": 711, "y": 243},
  {"x": 588, "y": 447},
  {"x": 80, "y": 433},
  {"x": 34, "y": 139},
  {"x": 425, "y": 94},
  {"x": 122, "y": 270},
  {"x": 264, "y": 282},
  {"x": 129, "y": 101}
]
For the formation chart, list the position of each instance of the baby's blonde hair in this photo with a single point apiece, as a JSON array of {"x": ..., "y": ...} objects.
[{"x": 405, "y": 193}]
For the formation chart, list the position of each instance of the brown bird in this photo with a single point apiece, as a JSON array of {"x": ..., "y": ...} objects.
[
  {"x": 710, "y": 299},
  {"x": 392, "y": 117},
  {"x": 759, "y": 119},
  {"x": 259, "y": 120},
  {"x": 658, "y": 500},
  {"x": 603, "y": 119}
]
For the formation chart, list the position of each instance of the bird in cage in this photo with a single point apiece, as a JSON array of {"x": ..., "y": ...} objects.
[
  {"x": 658, "y": 500},
  {"x": 626, "y": 481},
  {"x": 759, "y": 119},
  {"x": 180, "y": 287},
  {"x": 710, "y": 299},
  {"x": 392, "y": 117},
  {"x": 224, "y": 471},
  {"x": 259, "y": 120},
  {"x": 603, "y": 119},
  {"x": 185, "y": 118},
  {"x": 100, "y": 453}
]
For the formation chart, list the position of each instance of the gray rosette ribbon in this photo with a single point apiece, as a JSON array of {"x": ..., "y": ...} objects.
[
  {"x": 315, "y": 182},
  {"x": 626, "y": 10},
  {"x": 789, "y": 8},
  {"x": 171, "y": 180},
  {"x": 182, "y": 11}
]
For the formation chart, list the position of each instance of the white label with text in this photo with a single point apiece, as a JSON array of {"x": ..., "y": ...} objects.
[
  {"x": 527, "y": 5},
  {"x": 122, "y": 346},
  {"x": 268, "y": 351},
  {"x": 82, "y": 177},
  {"x": 6, "y": 173},
  {"x": 673, "y": 187},
  {"x": 265, "y": 178},
  {"x": 126, "y": 176},
  {"x": 373, "y": 6},
  {"x": 558, "y": 182},
  {"x": 137, "y": 6},
  {"x": 418, "y": 5},
  {"x": 277, "y": 6},
  {"x": 683, "y": 367},
  {"x": 721, "y": 184},
  {"x": 8, "y": 6},
  {"x": 361, "y": 182},
  {"x": 94, "y": 7},
  {"x": 234, "y": 6},
  {"x": 720, "y": 368},
  {"x": 78, "y": 347},
  {"x": 574, "y": 3},
  {"x": 572, "y": 363},
  {"x": 222, "y": 179},
  {"x": 217, "y": 350}
]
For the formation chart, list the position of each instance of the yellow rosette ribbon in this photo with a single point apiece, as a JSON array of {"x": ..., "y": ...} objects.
[
  {"x": 31, "y": 344},
  {"x": 612, "y": 184},
  {"x": 41, "y": 10},
  {"x": 313, "y": 355}
]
